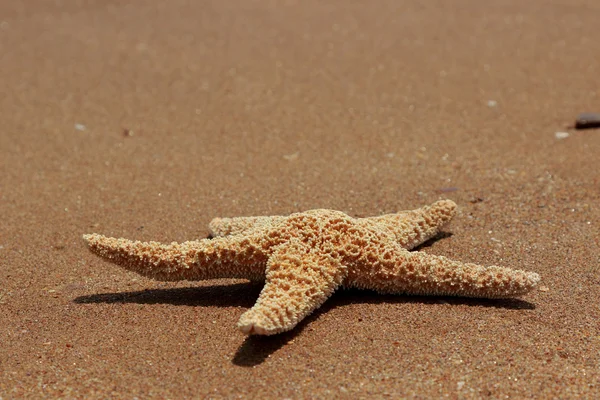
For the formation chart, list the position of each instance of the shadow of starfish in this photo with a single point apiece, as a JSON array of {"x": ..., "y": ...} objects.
[
  {"x": 235, "y": 295},
  {"x": 430, "y": 242},
  {"x": 256, "y": 350},
  {"x": 244, "y": 295}
]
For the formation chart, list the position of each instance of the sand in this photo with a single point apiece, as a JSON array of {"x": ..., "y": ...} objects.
[{"x": 147, "y": 119}]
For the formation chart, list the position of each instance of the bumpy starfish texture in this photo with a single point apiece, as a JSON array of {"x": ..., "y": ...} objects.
[{"x": 306, "y": 256}]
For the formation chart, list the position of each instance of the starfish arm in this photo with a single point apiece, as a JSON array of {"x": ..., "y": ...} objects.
[
  {"x": 415, "y": 227},
  {"x": 234, "y": 226},
  {"x": 298, "y": 281},
  {"x": 232, "y": 257},
  {"x": 425, "y": 274}
]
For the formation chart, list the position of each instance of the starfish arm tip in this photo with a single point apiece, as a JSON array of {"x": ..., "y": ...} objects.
[
  {"x": 532, "y": 279},
  {"x": 442, "y": 211},
  {"x": 252, "y": 322},
  {"x": 216, "y": 229},
  {"x": 252, "y": 328},
  {"x": 95, "y": 241},
  {"x": 515, "y": 283},
  {"x": 88, "y": 237}
]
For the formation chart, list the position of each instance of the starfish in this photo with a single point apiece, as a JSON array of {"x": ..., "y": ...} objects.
[{"x": 305, "y": 257}]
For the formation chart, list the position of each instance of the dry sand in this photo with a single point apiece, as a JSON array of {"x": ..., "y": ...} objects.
[{"x": 147, "y": 119}]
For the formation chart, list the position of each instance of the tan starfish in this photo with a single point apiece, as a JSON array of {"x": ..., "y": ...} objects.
[{"x": 306, "y": 256}]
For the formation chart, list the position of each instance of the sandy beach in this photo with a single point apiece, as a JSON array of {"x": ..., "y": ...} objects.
[{"x": 146, "y": 120}]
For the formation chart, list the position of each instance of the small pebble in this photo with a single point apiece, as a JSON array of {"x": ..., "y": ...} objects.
[
  {"x": 80, "y": 127},
  {"x": 587, "y": 121},
  {"x": 561, "y": 135},
  {"x": 492, "y": 103}
]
